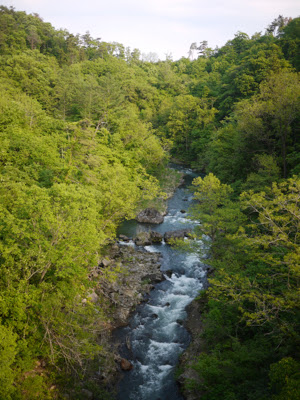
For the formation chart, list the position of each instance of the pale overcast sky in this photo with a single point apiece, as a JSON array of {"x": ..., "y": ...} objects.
[{"x": 160, "y": 26}]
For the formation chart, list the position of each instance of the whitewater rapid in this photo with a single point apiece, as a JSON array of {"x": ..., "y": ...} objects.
[{"x": 156, "y": 334}]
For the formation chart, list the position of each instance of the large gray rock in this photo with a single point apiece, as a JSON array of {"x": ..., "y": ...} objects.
[
  {"x": 150, "y": 216},
  {"x": 179, "y": 234}
]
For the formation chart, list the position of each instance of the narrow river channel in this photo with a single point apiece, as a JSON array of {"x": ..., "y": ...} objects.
[{"x": 155, "y": 336}]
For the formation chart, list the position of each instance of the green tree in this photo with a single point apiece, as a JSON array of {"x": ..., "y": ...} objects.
[
  {"x": 217, "y": 214},
  {"x": 290, "y": 42},
  {"x": 269, "y": 118},
  {"x": 188, "y": 125}
]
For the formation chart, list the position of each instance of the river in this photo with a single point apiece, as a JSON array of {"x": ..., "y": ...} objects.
[{"x": 155, "y": 336}]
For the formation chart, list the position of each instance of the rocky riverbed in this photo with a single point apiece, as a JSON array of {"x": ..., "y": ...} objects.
[
  {"x": 137, "y": 272},
  {"x": 133, "y": 273},
  {"x": 155, "y": 335}
]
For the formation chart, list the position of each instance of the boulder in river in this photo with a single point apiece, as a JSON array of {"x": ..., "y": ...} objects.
[
  {"x": 179, "y": 234},
  {"x": 143, "y": 239},
  {"x": 156, "y": 237},
  {"x": 126, "y": 365},
  {"x": 150, "y": 216}
]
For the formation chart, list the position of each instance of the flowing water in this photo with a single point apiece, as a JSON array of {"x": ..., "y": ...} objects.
[{"x": 155, "y": 332}]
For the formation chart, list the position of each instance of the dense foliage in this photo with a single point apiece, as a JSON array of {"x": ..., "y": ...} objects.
[
  {"x": 251, "y": 314},
  {"x": 76, "y": 158},
  {"x": 251, "y": 317},
  {"x": 85, "y": 131}
]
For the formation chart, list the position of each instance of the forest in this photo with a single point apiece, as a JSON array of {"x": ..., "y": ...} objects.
[{"x": 87, "y": 132}]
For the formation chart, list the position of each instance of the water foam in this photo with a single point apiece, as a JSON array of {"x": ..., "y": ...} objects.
[{"x": 130, "y": 243}]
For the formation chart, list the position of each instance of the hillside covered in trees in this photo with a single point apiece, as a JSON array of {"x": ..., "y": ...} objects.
[{"x": 86, "y": 133}]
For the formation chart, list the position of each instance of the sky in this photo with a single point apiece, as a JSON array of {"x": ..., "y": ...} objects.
[{"x": 164, "y": 27}]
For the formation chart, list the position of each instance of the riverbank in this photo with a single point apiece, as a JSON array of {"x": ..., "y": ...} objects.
[
  {"x": 185, "y": 371},
  {"x": 122, "y": 279}
]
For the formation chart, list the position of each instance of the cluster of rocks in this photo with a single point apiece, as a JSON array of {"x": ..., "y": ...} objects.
[
  {"x": 152, "y": 237},
  {"x": 145, "y": 238}
]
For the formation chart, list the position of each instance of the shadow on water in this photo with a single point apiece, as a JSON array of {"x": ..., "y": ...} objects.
[{"x": 155, "y": 336}]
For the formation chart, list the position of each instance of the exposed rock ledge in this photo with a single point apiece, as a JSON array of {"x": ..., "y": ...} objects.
[
  {"x": 136, "y": 271},
  {"x": 140, "y": 271}
]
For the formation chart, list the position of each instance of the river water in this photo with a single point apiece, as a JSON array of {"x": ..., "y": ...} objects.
[{"x": 155, "y": 336}]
